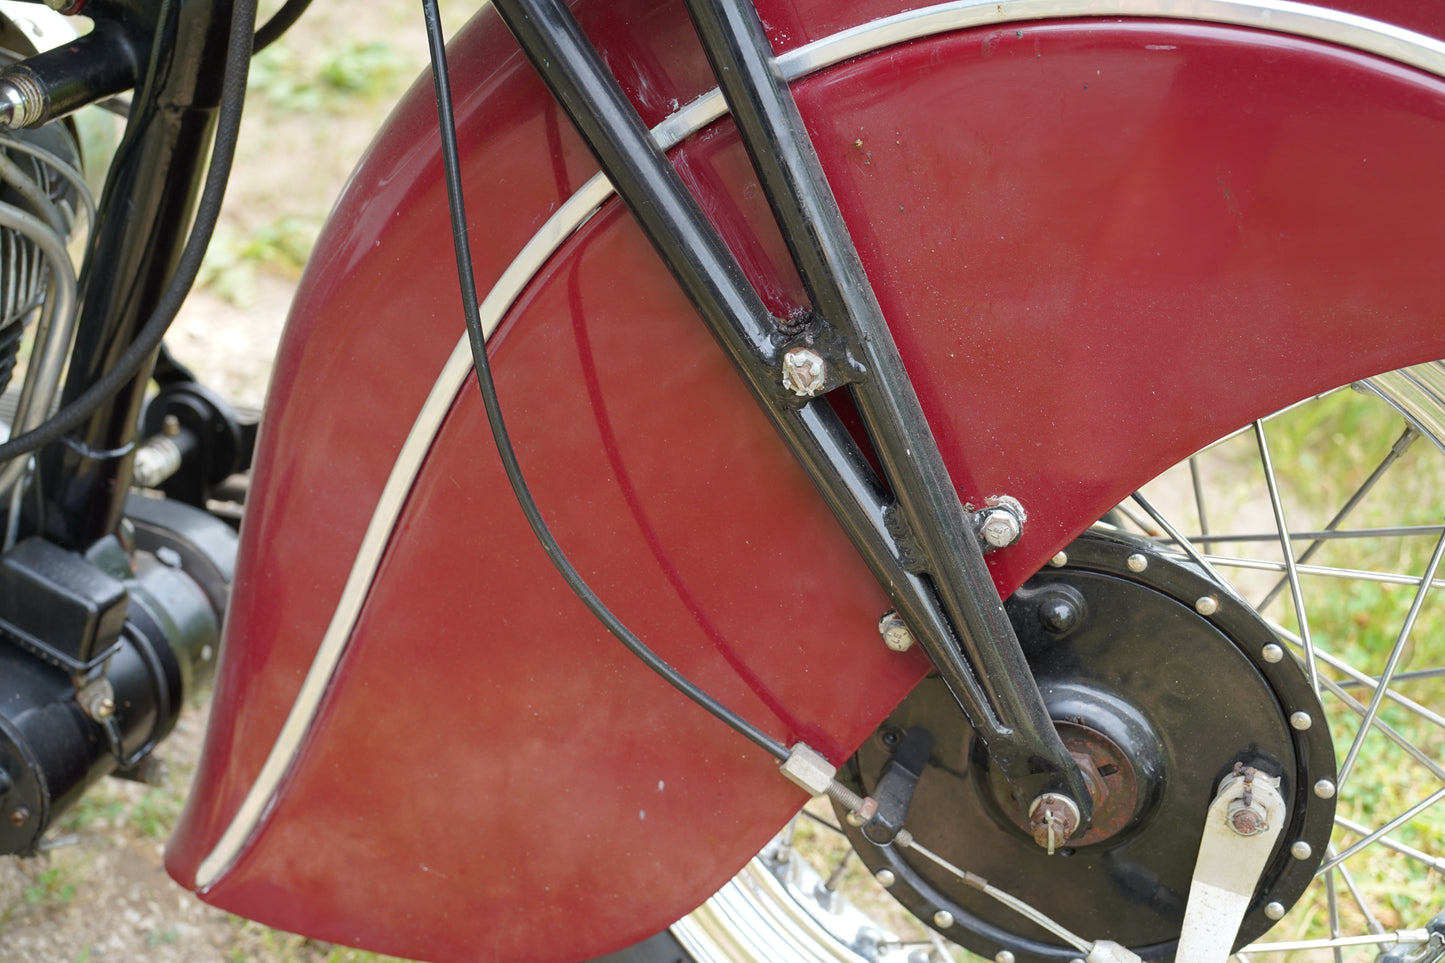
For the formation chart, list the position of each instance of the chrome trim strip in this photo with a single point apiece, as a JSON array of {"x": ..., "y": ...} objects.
[
  {"x": 454, "y": 375},
  {"x": 1280, "y": 16}
]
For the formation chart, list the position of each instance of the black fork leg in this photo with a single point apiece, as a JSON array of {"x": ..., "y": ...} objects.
[{"x": 931, "y": 565}]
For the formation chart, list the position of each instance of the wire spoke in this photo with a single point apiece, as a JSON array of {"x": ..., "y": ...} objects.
[
  {"x": 1383, "y": 686},
  {"x": 1291, "y": 572},
  {"x": 1436, "y": 863},
  {"x": 1401, "y": 445},
  {"x": 1399, "y": 820},
  {"x": 1179, "y": 539},
  {"x": 1332, "y": 906},
  {"x": 1360, "y": 678},
  {"x": 1352, "y": 574},
  {"x": 1371, "y": 923},
  {"x": 1197, "y": 481},
  {"x": 1321, "y": 536}
]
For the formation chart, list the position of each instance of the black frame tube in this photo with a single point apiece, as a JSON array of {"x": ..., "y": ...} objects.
[
  {"x": 148, "y": 203},
  {"x": 1007, "y": 711}
]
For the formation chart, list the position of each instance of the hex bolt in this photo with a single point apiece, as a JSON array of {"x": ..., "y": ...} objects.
[
  {"x": 1300, "y": 721},
  {"x": 1003, "y": 956},
  {"x": 804, "y": 372},
  {"x": 1301, "y": 850},
  {"x": 895, "y": 632},
  {"x": 1137, "y": 562},
  {"x": 1324, "y": 789},
  {"x": 1271, "y": 653},
  {"x": 885, "y": 878},
  {"x": 1273, "y": 910},
  {"x": 1001, "y": 528},
  {"x": 943, "y": 919},
  {"x": 1206, "y": 605}
]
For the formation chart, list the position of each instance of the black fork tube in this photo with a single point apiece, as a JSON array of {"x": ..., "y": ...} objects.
[
  {"x": 146, "y": 208},
  {"x": 807, "y": 213},
  {"x": 1009, "y": 715}
]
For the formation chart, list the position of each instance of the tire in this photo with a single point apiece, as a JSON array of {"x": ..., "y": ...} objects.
[{"x": 1376, "y": 449}]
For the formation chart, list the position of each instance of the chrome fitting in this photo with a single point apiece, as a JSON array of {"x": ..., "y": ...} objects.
[
  {"x": 156, "y": 459},
  {"x": 22, "y": 101},
  {"x": 1053, "y": 817},
  {"x": 808, "y": 768}
]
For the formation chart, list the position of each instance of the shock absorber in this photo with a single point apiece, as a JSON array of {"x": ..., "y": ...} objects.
[{"x": 99, "y": 651}]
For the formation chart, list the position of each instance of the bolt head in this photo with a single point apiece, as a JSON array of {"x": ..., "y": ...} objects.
[
  {"x": 1059, "y": 615},
  {"x": 1001, "y": 529},
  {"x": 1274, "y": 911},
  {"x": 1137, "y": 562},
  {"x": 1206, "y": 605},
  {"x": 885, "y": 878},
  {"x": 804, "y": 372},
  {"x": 895, "y": 632},
  {"x": 1300, "y": 721},
  {"x": 1324, "y": 789},
  {"x": 943, "y": 919},
  {"x": 1272, "y": 653},
  {"x": 104, "y": 708},
  {"x": 1300, "y": 850},
  {"x": 1247, "y": 821}
]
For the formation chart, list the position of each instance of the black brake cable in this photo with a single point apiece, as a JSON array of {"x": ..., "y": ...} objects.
[
  {"x": 452, "y": 167},
  {"x": 208, "y": 210},
  {"x": 280, "y": 22}
]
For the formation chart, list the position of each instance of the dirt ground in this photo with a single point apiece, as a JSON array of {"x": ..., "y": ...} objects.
[{"x": 99, "y": 892}]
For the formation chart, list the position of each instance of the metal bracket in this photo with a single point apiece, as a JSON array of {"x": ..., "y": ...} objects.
[{"x": 894, "y": 792}]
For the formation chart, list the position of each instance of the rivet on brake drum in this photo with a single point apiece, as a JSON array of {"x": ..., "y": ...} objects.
[
  {"x": 1272, "y": 653},
  {"x": 1274, "y": 911},
  {"x": 943, "y": 919},
  {"x": 1206, "y": 605}
]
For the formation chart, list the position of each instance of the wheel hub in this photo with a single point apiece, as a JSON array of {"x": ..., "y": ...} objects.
[{"x": 1160, "y": 682}]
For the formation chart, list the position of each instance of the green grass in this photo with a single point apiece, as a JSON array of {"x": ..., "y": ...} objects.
[{"x": 327, "y": 79}]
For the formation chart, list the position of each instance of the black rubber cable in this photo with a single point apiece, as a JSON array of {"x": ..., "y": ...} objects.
[
  {"x": 208, "y": 210},
  {"x": 280, "y": 22},
  {"x": 451, "y": 164}
]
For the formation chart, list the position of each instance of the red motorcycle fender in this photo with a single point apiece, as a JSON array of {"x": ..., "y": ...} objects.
[{"x": 1101, "y": 245}]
